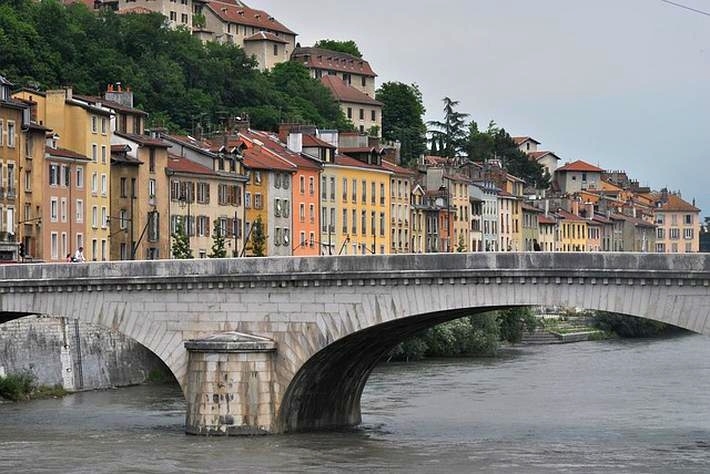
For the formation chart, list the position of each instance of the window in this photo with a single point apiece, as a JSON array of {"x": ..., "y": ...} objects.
[
  {"x": 277, "y": 180},
  {"x": 257, "y": 177},
  {"x": 373, "y": 116},
  {"x": 660, "y": 219},
  {"x": 363, "y": 81},
  {"x": 332, "y": 189},
  {"x": 323, "y": 219},
  {"x": 350, "y": 112},
  {"x": 247, "y": 200},
  {"x": 152, "y": 188},
  {"x": 345, "y": 221},
  {"x": 276, "y": 50},
  {"x": 661, "y": 233},
  {"x": 364, "y": 191},
  {"x": 53, "y": 174},
  {"x": 94, "y": 216},
  {"x": 285, "y": 181},
  {"x": 103, "y": 154},
  {"x": 286, "y": 236},
  {"x": 302, "y": 213},
  {"x": 53, "y": 209},
  {"x": 362, "y": 114},
  {"x": 104, "y": 217},
  {"x": 312, "y": 214},
  {"x": 382, "y": 194},
  {"x": 382, "y": 224},
  {"x": 257, "y": 201},
  {"x": 688, "y": 234},
  {"x": 311, "y": 186},
  {"x": 63, "y": 210},
  {"x": 345, "y": 189},
  {"x": 11, "y": 134},
  {"x": 123, "y": 219},
  {"x": 79, "y": 211},
  {"x": 173, "y": 16},
  {"x": 688, "y": 219},
  {"x": 1, "y": 127},
  {"x": 372, "y": 192},
  {"x": 277, "y": 207},
  {"x": 354, "y": 222},
  {"x": 103, "y": 125},
  {"x": 302, "y": 184},
  {"x": 363, "y": 222},
  {"x": 354, "y": 192},
  {"x": 674, "y": 233},
  {"x": 54, "y": 244},
  {"x": 79, "y": 177},
  {"x": 104, "y": 184},
  {"x": 302, "y": 242},
  {"x": 311, "y": 240},
  {"x": 94, "y": 152},
  {"x": 94, "y": 124},
  {"x": 278, "y": 236},
  {"x": 183, "y": 18},
  {"x": 323, "y": 188},
  {"x": 151, "y": 160},
  {"x": 28, "y": 180}
]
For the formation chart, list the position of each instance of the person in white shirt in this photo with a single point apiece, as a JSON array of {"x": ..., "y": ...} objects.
[{"x": 79, "y": 255}]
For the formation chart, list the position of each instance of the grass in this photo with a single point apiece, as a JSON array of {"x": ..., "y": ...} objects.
[{"x": 23, "y": 386}]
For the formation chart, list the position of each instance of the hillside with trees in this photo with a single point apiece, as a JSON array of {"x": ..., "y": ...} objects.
[{"x": 173, "y": 75}]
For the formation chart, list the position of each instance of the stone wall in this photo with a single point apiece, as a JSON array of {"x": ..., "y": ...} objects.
[{"x": 73, "y": 354}]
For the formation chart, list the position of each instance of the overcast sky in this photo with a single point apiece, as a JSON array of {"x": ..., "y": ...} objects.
[{"x": 622, "y": 84}]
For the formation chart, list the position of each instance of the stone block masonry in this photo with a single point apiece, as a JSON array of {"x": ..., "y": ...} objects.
[{"x": 73, "y": 354}]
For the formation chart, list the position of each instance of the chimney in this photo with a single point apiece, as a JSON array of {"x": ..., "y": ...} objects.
[
  {"x": 590, "y": 209},
  {"x": 117, "y": 94},
  {"x": 284, "y": 129},
  {"x": 295, "y": 142},
  {"x": 547, "y": 207}
]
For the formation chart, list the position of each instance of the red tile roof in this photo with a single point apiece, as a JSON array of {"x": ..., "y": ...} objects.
[
  {"x": 243, "y": 15},
  {"x": 274, "y": 146},
  {"x": 520, "y": 140},
  {"x": 396, "y": 169},
  {"x": 345, "y": 93},
  {"x": 64, "y": 153},
  {"x": 136, "y": 10},
  {"x": 183, "y": 165},
  {"x": 319, "y": 58},
  {"x": 569, "y": 216},
  {"x": 266, "y": 36},
  {"x": 672, "y": 203},
  {"x": 144, "y": 140},
  {"x": 536, "y": 155},
  {"x": 546, "y": 219},
  {"x": 580, "y": 165},
  {"x": 311, "y": 141},
  {"x": 344, "y": 160}
]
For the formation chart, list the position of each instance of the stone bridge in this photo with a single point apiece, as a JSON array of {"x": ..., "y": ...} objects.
[{"x": 287, "y": 344}]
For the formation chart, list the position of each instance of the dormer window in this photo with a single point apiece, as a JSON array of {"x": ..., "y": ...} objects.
[{"x": 4, "y": 93}]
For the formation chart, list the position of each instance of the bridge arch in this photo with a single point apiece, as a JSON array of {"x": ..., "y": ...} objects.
[{"x": 338, "y": 311}]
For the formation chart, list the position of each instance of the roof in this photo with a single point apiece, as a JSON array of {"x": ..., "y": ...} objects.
[
  {"x": 136, "y": 10},
  {"x": 520, "y": 140},
  {"x": 569, "y": 216},
  {"x": 345, "y": 93},
  {"x": 243, "y": 15},
  {"x": 275, "y": 147},
  {"x": 344, "y": 160},
  {"x": 144, "y": 140},
  {"x": 536, "y": 155},
  {"x": 5, "y": 82},
  {"x": 436, "y": 160},
  {"x": 320, "y": 58},
  {"x": 546, "y": 219},
  {"x": 669, "y": 202},
  {"x": 64, "y": 153},
  {"x": 396, "y": 169},
  {"x": 360, "y": 149},
  {"x": 183, "y": 165},
  {"x": 530, "y": 208},
  {"x": 266, "y": 36},
  {"x": 311, "y": 141},
  {"x": 580, "y": 165}
]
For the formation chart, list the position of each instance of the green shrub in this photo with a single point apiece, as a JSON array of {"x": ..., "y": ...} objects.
[{"x": 17, "y": 386}]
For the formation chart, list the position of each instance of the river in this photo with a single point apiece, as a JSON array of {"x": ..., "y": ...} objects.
[{"x": 594, "y": 407}]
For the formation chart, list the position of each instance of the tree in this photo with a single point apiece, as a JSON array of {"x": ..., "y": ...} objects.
[
  {"x": 402, "y": 112},
  {"x": 218, "y": 250},
  {"x": 451, "y": 132},
  {"x": 348, "y": 47},
  {"x": 461, "y": 244},
  {"x": 514, "y": 322},
  {"x": 258, "y": 239},
  {"x": 181, "y": 243}
]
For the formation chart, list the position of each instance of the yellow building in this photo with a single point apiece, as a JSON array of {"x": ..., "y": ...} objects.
[
  {"x": 360, "y": 214},
  {"x": 573, "y": 232},
  {"x": 401, "y": 227},
  {"x": 83, "y": 127}
]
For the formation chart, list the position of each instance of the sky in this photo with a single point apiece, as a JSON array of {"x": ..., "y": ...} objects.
[{"x": 621, "y": 84}]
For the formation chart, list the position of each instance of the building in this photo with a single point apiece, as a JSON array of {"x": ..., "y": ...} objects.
[
  {"x": 13, "y": 118},
  {"x": 257, "y": 32},
  {"x": 677, "y": 223},
  {"x": 487, "y": 192},
  {"x": 531, "y": 227},
  {"x": 355, "y": 72},
  {"x": 577, "y": 176},
  {"x": 362, "y": 110},
  {"x": 401, "y": 183},
  {"x": 82, "y": 126}
]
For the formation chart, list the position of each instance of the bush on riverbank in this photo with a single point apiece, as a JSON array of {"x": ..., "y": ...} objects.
[
  {"x": 630, "y": 326},
  {"x": 23, "y": 386},
  {"x": 479, "y": 335}
]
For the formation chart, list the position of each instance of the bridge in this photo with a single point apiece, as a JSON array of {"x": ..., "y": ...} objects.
[{"x": 278, "y": 345}]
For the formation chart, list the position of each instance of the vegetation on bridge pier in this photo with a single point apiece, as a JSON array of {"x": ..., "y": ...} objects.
[{"x": 23, "y": 386}]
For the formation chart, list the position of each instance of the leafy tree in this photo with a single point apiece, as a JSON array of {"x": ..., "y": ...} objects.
[
  {"x": 629, "y": 326},
  {"x": 218, "y": 250},
  {"x": 349, "y": 46},
  {"x": 514, "y": 322},
  {"x": 258, "y": 239},
  {"x": 461, "y": 244},
  {"x": 402, "y": 112},
  {"x": 451, "y": 132},
  {"x": 181, "y": 243}
]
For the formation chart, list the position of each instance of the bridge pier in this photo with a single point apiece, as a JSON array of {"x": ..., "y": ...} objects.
[{"x": 230, "y": 385}]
